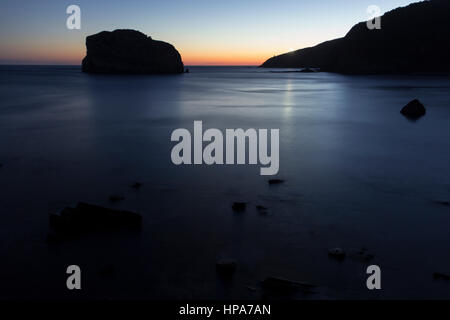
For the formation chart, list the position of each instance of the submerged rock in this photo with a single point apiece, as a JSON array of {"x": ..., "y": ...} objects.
[
  {"x": 307, "y": 70},
  {"x": 239, "y": 206},
  {"x": 337, "y": 253},
  {"x": 275, "y": 181},
  {"x": 362, "y": 256},
  {"x": 88, "y": 218},
  {"x": 441, "y": 276},
  {"x": 414, "y": 110},
  {"x": 443, "y": 203},
  {"x": 136, "y": 185},
  {"x": 226, "y": 267},
  {"x": 129, "y": 51}
]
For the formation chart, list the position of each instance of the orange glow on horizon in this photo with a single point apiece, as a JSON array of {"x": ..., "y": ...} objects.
[{"x": 72, "y": 55}]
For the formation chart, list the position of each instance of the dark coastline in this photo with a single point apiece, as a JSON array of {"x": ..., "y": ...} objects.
[{"x": 412, "y": 40}]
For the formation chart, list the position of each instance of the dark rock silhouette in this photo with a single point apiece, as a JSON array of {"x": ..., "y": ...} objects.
[
  {"x": 443, "y": 203},
  {"x": 275, "y": 181},
  {"x": 412, "y": 39},
  {"x": 136, "y": 185},
  {"x": 307, "y": 70},
  {"x": 414, "y": 110},
  {"x": 239, "y": 206},
  {"x": 337, "y": 253},
  {"x": 88, "y": 218},
  {"x": 441, "y": 276},
  {"x": 129, "y": 51}
]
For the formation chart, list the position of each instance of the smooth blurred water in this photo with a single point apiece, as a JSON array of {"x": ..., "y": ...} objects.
[{"x": 357, "y": 174}]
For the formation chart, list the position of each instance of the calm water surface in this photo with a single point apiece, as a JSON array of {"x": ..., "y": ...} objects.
[{"x": 357, "y": 173}]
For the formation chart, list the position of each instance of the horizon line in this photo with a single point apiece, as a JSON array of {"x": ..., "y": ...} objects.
[{"x": 79, "y": 65}]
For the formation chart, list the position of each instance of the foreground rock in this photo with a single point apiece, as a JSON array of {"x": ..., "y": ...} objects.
[
  {"x": 88, "y": 218},
  {"x": 414, "y": 110},
  {"x": 129, "y": 51},
  {"x": 418, "y": 48}
]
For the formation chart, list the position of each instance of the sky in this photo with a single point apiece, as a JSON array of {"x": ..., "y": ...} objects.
[{"x": 205, "y": 32}]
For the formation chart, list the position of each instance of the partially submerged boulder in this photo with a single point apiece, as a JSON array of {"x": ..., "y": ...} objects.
[
  {"x": 88, "y": 218},
  {"x": 275, "y": 181},
  {"x": 337, "y": 253},
  {"x": 414, "y": 110},
  {"x": 129, "y": 51},
  {"x": 441, "y": 276}
]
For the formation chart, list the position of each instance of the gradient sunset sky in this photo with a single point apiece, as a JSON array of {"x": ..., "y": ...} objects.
[{"x": 205, "y": 32}]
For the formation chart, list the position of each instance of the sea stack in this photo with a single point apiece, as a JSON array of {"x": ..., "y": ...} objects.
[{"x": 130, "y": 52}]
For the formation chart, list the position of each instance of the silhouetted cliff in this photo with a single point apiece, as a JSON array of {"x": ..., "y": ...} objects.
[
  {"x": 129, "y": 51},
  {"x": 412, "y": 39}
]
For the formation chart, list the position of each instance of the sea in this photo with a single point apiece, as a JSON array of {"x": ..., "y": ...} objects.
[{"x": 357, "y": 175}]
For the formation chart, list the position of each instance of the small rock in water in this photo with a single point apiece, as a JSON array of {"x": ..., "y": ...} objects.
[
  {"x": 414, "y": 110},
  {"x": 1, "y": 165},
  {"x": 275, "y": 181},
  {"x": 239, "y": 206},
  {"x": 337, "y": 253},
  {"x": 88, "y": 218},
  {"x": 226, "y": 267},
  {"x": 307, "y": 70},
  {"x": 441, "y": 276},
  {"x": 362, "y": 256},
  {"x": 443, "y": 203},
  {"x": 116, "y": 198},
  {"x": 136, "y": 185}
]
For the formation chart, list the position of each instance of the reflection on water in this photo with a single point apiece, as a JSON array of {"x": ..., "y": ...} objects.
[{"x": 357, "y": 174}]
